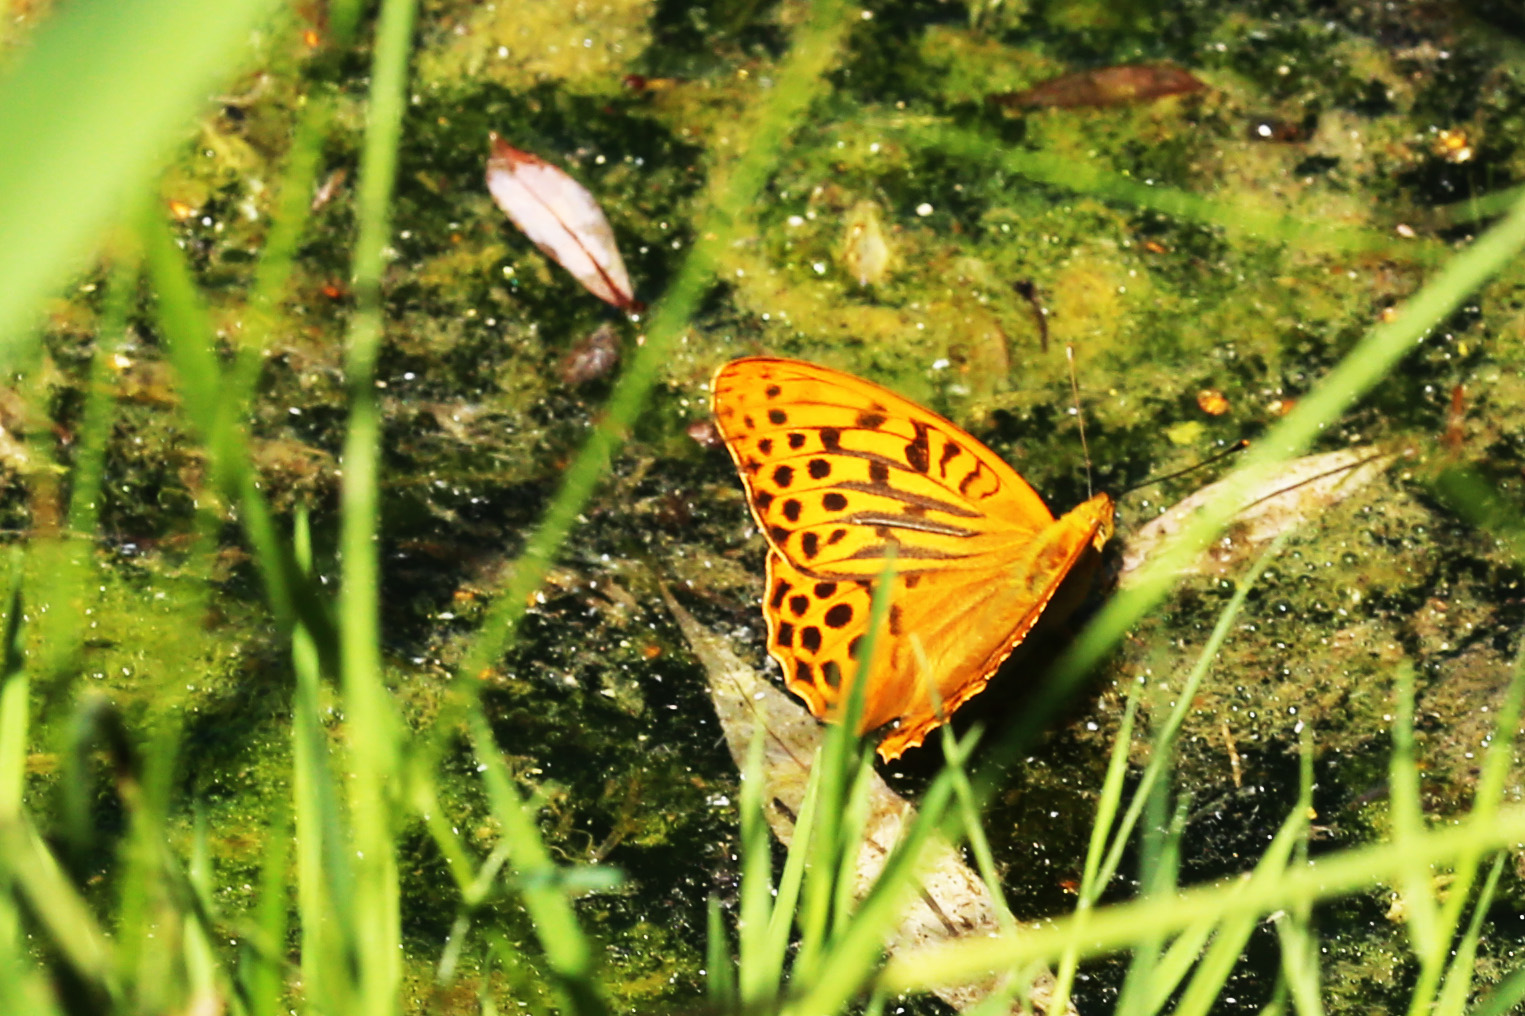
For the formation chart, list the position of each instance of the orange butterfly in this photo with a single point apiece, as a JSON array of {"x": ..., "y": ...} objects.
[{"x": 838, "y": 471}]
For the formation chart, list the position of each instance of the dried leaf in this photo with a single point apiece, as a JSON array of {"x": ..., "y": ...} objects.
[
  {"x": 1109, "y": 86},
  {"x": 866, "y": 252},
  {"x": 705, "y": 433},
  {"x": 593, "y": 357},
  {"x": 1279, "y": 504},
  {"x": 953, "y": 902},
  {"x": 561, "y": 218}
]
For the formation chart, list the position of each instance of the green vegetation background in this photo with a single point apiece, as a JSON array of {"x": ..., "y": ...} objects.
[{"x": 1238, "y": 240}]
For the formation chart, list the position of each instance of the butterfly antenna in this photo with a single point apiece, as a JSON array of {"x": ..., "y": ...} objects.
[
  {"x": 1080, "y": 417},
  {"x": 1233, "y": 449}
]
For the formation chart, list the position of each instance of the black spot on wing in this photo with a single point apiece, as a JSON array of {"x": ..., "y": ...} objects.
[
  {"x": 918, "y": 454},
  {"x": 870, "y": 421},
  {"x": 831, "y": 673},
  {"x": 777, "y": 417},
  {"x": 810, "y": 639},
  {"x": 783, "y": 476},
  {"x": 780, "y": 590},
  {"x": 839, "y": 615},
  {"x": 951, "y": 451}
]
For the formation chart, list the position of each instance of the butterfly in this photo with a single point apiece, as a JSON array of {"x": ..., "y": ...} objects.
[{"x": 840, "y": 474}]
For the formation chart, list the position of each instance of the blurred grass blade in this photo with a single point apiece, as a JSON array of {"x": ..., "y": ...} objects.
[
  {"x": 719, "y": 971},
  {"x": 373, "y": 737},
  {"x": 1159, "y": 871},
  {"x": 1504, "y": 999},
  {"x": 57, "y": 907},
  {"x": 1458, "y": 982},
  {"x": 1299, "y": 963},
  {"x": 88, "y": 110},
  {"x": 761, "y": 969},
  {"x": 1358, "y": 372},
  {"x": 262, "y": 960},
  {"x": 15, "y": 698},
  {"x": 325, "y": 882},
  {"x": 730, "y": 200},
  {"x": 568, "y": 953},
  {"x": 954, "y": 753},
  {"x": 1234, "y": 930},
  {"x": 1417, "y": 883}
]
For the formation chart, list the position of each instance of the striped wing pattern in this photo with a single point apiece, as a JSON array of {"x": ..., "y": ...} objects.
[{"x": 840, "y": 474}]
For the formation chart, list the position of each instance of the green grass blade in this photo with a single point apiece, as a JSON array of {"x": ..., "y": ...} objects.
[
  {"x": 1360, "y": 370},
  {"x": 1417, "y": 882},
  {"x": 759, "y": 978},
  {"x": 730, "y": 198},
  {"x": 1159, "y": 871},
  {"x": 719, "y": 971},
  {"x": 1299, "y": 963},
  {"x": 855, "y": 953},
  {"x": 56, "y": 906},
  {"x": 1458, "y": 982},
  {"x": 790, "y": 882},
  {"x": 15, "y": 698},
  {"x": 1106, "y": 813},
  {"x": 262, "y": 960},
  {"x": 1063, "y": 171},
  {"x": 325, "y": 884},
  {"x": 1234, "y": 930},
  {"x": 265, "y": 314},
  {"x": 87, "y": 112},
  {"x": 851, "y": 830},
  {"x": 186, "y": 323},
  {"x": 968, "y": 809},
  {"x": 1505, "y": 998},
  {"x": 374, "y": 743},
  {"x": 568, "y": 953}
]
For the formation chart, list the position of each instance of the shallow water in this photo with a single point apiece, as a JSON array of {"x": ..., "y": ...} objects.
[{"x": 1328, "y": 163}]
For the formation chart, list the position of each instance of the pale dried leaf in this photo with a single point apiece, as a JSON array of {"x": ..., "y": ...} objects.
[
  {"x": 953, "y": 902},
  {"x": 561, "y": 218},
  {"x": 1280, "y": 503}
]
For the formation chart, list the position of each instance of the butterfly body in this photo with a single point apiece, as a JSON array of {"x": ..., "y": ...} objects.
[{"x": 842, "y": 474}]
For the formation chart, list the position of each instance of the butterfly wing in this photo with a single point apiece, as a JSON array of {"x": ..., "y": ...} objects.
[{"x": 841, "y": 473}]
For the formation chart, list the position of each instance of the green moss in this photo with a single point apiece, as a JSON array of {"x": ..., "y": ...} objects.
[{"x": 598, "y": 707}]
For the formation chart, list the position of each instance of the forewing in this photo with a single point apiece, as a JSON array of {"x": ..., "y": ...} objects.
[{"x": 840, "y": 472}]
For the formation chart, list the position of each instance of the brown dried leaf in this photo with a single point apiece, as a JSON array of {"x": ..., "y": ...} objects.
[
  {"x": 1109, "y": 86},
  {"x": 594, "y": 356},
  {"x": 1279, "y": 504},
  {"x": 561, "y": 218},
  {"x": 953, "y": 902}
]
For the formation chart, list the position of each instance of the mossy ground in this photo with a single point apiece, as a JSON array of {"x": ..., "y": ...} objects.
[{"x": 1345, "y": 115}]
